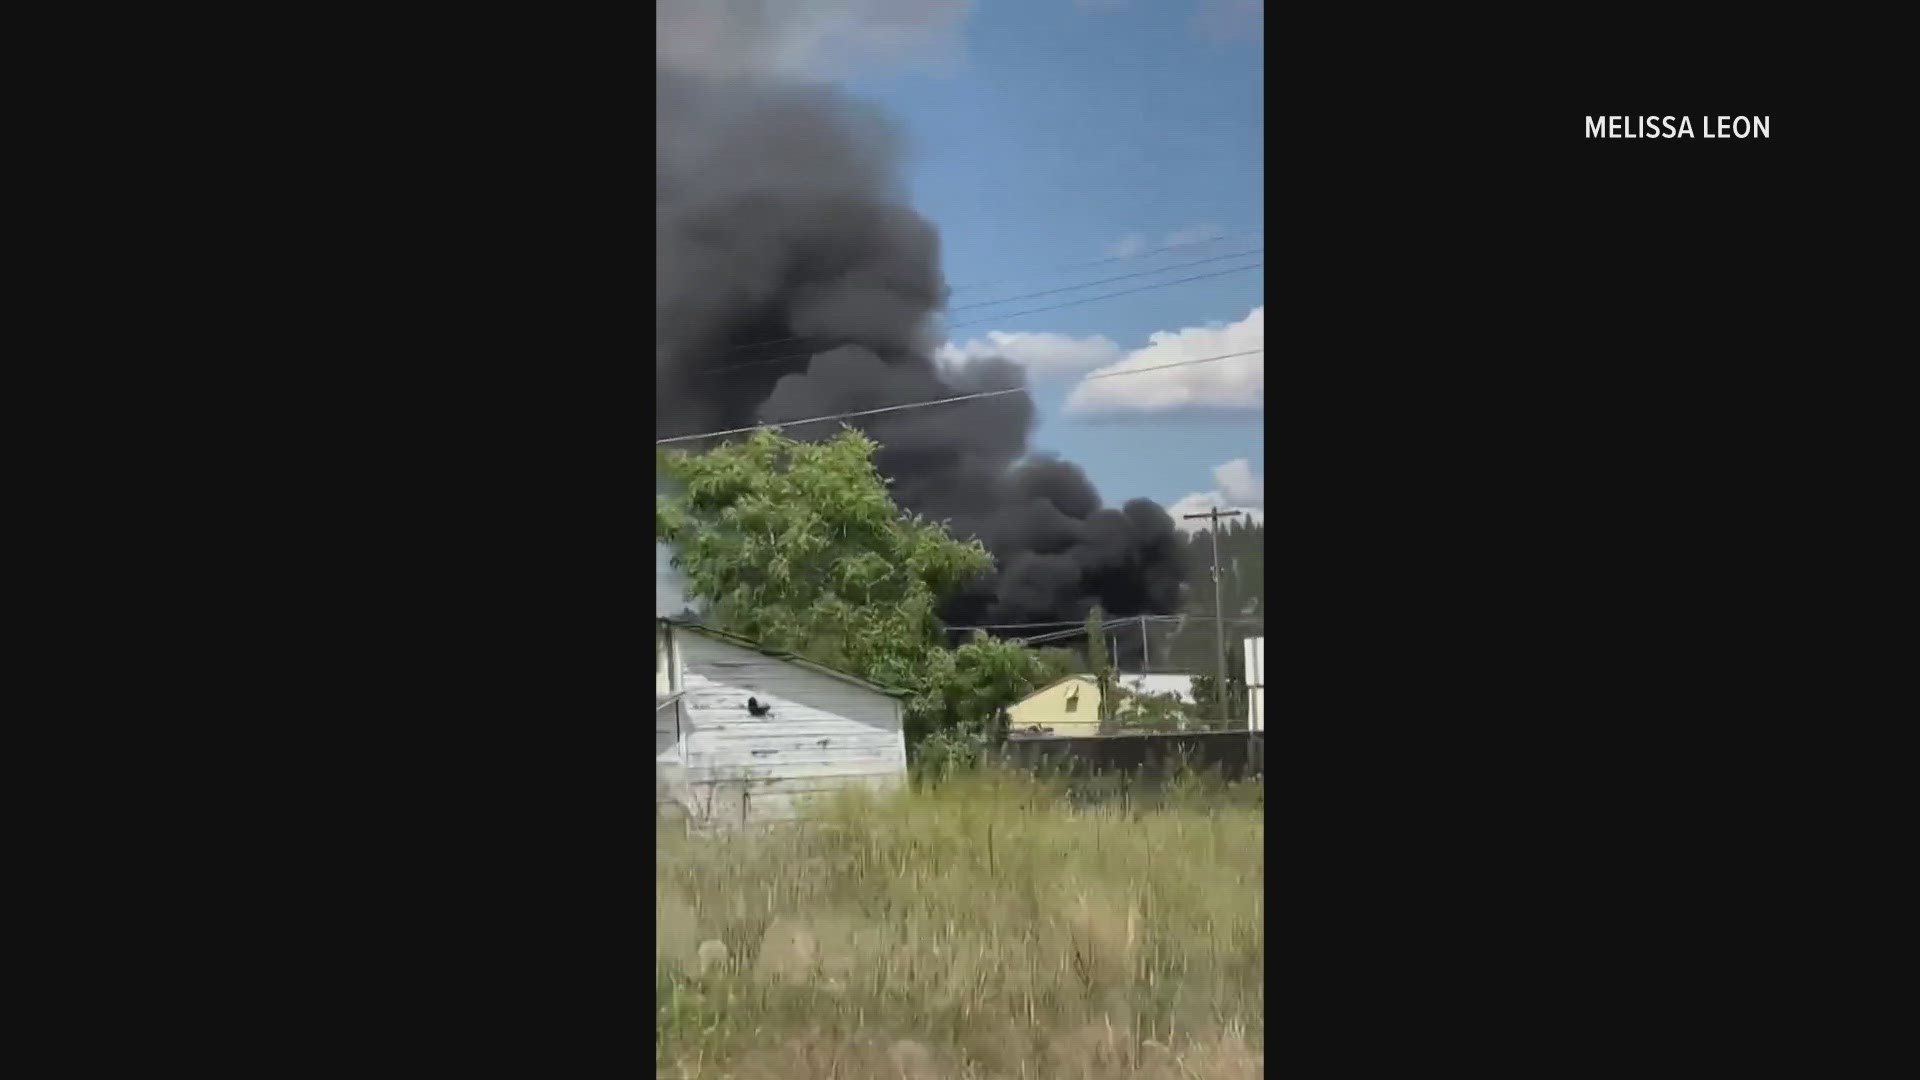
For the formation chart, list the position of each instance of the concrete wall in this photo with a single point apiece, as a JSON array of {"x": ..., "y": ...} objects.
[
  {"x": 821, "y": 733},
  {"x": 1069, "y": 707}
]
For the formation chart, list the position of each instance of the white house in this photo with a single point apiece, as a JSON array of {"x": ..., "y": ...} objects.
[
  {"x": 1179, "y": 685},
  {"x": 743, "y": 734}
]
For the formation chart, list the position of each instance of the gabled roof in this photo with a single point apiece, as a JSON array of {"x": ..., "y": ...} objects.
[
  {"x": 1070, "y": 678},
  {"x": 778, "y": 654}
]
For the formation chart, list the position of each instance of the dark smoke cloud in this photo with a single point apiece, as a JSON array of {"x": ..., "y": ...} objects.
[{"x": 794, "y": 281}]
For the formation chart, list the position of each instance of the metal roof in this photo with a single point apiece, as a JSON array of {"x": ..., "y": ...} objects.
[{"x": 779, "y": 654}]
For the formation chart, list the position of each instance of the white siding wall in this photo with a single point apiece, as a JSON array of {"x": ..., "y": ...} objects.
[
  {"x": 662, "y": 663},
  {"x": 822, "y": 733},
  {"x": 1256, "y": 669}
]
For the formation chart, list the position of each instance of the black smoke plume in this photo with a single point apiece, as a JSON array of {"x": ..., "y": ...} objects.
[{"x": 794, "y": 281}]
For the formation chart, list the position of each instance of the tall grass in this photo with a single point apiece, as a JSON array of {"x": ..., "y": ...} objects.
[{"x": 987, "y": 926}]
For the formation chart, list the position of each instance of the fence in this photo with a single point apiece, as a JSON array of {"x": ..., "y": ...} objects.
[{"x": 1235, "y": 754}]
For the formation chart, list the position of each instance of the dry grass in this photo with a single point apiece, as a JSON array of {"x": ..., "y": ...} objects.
[{"x": 981, "y": 929}]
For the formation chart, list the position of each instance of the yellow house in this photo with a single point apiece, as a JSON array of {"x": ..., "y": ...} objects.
[{"x": 1070, "y": 707}]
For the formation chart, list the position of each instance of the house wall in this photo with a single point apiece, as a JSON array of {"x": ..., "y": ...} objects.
[
  {"x": 662, "y": 663},
  {"x": 821, "y": 734},
  {"x": 1054, "y": 707},
  {"x": 1256, "y": 669},
  {"x": 1179, "y": 685}
]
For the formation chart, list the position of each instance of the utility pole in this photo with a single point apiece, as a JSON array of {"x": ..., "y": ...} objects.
[
  {"x": 1146, "y": 662},
  {"x": 1219, "y": 616}
]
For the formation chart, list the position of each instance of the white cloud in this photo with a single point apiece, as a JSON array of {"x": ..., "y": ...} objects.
[
  {"x": 1135, "y": 244},
  {"x": 1042, "y": 354},
  {"x": 1202, "y": 501},
  {"x": 1238, "y": 483},
  {"x": 808, "y": 38},
  {"x": 1237, "y": 384},
  {"x": 1192, "y": 235},
  {"x": 1237, "y": 488}
]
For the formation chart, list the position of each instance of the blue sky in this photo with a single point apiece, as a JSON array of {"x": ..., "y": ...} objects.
[{"x": 1050, "y": 133}]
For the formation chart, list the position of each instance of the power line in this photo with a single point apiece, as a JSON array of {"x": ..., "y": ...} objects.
[
  {"x": 1127, "y": 621},
  {"x": 1057, "y": 635},
  {"x": 1108, "y": 296},
  {"x": 1112, "y": 259},
  {"x": 723, "y": 369},
  {"x": 945, "y": 400},
  {"x": 1192, "y": 615},
  {"x": 1117, "y": 620},
  {"x": 1074, "y": 626},
  {"x": 1021, "y": 625},
  {"x": 1111, "y": 280},
  {"x": 1060, "y": 270},
  {"x": 1076, "y": 266}
]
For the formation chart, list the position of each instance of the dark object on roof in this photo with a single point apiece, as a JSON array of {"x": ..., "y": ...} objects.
[
  {"x": 749, "y": 643},
  {"x": 755, "y": 708}
]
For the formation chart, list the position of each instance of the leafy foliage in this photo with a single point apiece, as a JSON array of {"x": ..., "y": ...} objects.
[
  {"x": 1207, "y": 704},
  {"x": 1135, "y": 711},
  {"x": 798, "y": 545},
  {"x": 1056, "y": 664}
]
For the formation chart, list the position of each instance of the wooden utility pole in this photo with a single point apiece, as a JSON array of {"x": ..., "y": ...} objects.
[{"x": 1219, "y": 616}]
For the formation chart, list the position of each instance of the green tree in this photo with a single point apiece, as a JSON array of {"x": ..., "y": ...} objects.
[
  {"x": 1055, "y": 664},
  {"x": 968, "y": 691},
  {"x": 1156, "y": 712},
  {"x": 1206, "y": 699},
  {"x": 799, "y": 546}
]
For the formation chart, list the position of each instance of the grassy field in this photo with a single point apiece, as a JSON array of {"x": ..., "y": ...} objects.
[{"x": 988, "y": 927}]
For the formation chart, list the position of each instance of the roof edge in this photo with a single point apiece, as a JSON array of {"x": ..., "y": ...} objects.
[
  {"x": 1088, "y": 676},
  {"x": 781, "y": 654}
]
